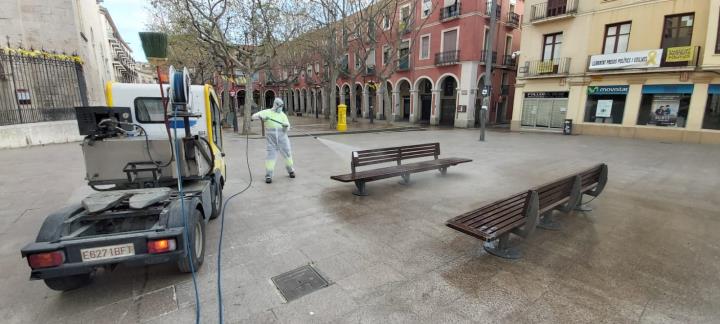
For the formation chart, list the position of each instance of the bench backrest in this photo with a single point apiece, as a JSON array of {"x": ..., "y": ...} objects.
[
  {"x": 555, "y": 193},
  {"x": 593, "y": 180},
  {"x": 393, "y": 154}
]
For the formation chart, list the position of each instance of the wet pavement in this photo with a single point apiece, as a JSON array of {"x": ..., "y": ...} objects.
[{"x": 648, "y": 253}]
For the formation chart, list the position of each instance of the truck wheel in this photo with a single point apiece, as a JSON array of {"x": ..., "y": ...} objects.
[
  {"x": 196, "y": 237},
  {"x": 68, "y": 283},
  {"x": 216, "y": 197}
]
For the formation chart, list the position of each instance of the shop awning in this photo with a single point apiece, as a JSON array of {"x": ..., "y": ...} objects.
[
  {"x": 667, "y": 88},
  {"x": 714, "y": 89}
]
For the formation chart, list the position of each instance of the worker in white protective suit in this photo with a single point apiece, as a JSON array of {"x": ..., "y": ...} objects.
[{"x": 276, "y": 128}]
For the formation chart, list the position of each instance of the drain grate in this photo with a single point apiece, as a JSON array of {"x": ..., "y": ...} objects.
[{"x": 299, "y": 282}]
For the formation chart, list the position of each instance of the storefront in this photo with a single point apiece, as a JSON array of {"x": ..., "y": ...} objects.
[
  {"x": 665, "y": 105},
  {"x": 544, "y": 109},
  {"x": 711, "y": 117},
  {"x": 605, "y": 104}
]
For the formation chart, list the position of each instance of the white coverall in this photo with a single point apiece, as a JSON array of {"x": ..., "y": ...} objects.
[{"x": 276, "y": 127}]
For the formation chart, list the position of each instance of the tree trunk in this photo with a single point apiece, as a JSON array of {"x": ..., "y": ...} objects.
[
  {"x": 248, "y": 103},
  {"x": 353, "y": 103},
  {"x": 387, "y": 105}
]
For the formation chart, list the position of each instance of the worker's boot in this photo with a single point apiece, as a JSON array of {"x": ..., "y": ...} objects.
[
  {"x": 292, "y": 174},
  {"x": 268, "y": 180}
]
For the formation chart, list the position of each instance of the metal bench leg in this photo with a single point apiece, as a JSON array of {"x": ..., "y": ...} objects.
[
  {"x": 405, "y": 179},
  {"x": 443, "y": 171},
  {"x": 502, "y": 248},
  {"x": 360, "y": 189},
  {"x": 582, "y": 207},
  {"x": 548, "y": 222}
]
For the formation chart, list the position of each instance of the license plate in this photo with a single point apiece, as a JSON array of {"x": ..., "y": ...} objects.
[{"x": 107, "y": 252}]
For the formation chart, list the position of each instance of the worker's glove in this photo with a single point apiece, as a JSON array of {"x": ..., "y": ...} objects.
[{"x": 285, "y": 127}]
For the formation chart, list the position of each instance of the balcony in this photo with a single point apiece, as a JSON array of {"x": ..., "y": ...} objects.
[
  {"x": 498, "y": 11},
  {"x": 559, "y": 66},
  {"x": 483, "y": 57},
  {"x": 509, "y": 62},
  {"x": 405, "y": 26},
  {"x": 513, "y": 20},
  {"x": 450, "y": 12},
  {"x": 447, "y": 57},
  {"x": 552, "y": 10}
]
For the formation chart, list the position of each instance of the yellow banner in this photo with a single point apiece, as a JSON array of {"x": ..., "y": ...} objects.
[
  {"x": 545, "y": 67},
  {"x": 680, "y": 54}
]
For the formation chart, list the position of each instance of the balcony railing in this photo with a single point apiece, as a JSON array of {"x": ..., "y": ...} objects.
[
  {"x": 488, "y": 10},
  {"x": 513, "y": 20},
  {"x": 447, "y": 57},
  {"x": 509, "y": 61},
  {"x": 483, "y": 57},
  {"x": 450, "y": 12},
  {"x": 550, "y": 9},
  {"x": 547, "y": 67}
]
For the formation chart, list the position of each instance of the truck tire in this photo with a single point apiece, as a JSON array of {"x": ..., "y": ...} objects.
[
  {"x": 216, "y": 200},
  {"x": 196, "y": 238},
  {"x": 68, "y": 283}
]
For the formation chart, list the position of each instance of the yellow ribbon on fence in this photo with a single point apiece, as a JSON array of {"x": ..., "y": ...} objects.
[{"x": 43, "y": 54}]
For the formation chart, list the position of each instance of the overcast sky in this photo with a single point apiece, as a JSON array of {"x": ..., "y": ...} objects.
[{"x": 130, "y": 17}]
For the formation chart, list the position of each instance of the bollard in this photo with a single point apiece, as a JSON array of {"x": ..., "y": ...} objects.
[{"x": 342, "y": 118}]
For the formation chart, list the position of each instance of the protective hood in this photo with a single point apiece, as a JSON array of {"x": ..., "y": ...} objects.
[{"x": 278, "y": 105}]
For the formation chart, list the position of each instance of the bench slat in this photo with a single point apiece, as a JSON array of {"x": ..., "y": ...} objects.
[
  {"x": 512, "y": 199},
  {"x": 394, "y": 171},
  {"x": 496, "y": 212}
]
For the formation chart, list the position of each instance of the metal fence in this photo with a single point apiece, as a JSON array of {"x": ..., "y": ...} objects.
[{"x": 36, "y": 88}]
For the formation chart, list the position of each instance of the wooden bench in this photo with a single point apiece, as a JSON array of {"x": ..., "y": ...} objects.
[
  {"x": 520, "y": 213},
  {"x": 395, "y": 154}
]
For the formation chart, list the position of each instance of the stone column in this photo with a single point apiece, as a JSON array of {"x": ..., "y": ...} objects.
[
  {"x": 342, "y": 96},
  {"x": 396, "y": 112},
  {"x": 414, "y": 106},
  {"x": 324, "y": 102},
  {"x": 380, "y": 103},
  {"x": 435, "y": 109},
  {"x": 303, "y": 101},
  {"x": 365, "y": 103}
]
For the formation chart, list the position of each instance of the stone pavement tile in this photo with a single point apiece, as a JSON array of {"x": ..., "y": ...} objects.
[
  {"x": 322, "y": 306},
  {"x": 132, "y": 310},
  {"x": 244, "y": 302},
  {"x": 343, "y": 264},
  {"x": 680, "y": 307},
  {"x": 380, "y": 313},
  {"x": 368, "y": 280}
]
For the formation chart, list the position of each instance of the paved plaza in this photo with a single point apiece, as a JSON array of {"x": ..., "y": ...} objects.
[{"x": 648, "y": 253}]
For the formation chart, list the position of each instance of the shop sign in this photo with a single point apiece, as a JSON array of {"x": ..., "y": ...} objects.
[
  {"x": 607, "y": 90},
  {"x": 667, "y": 88},
  {"x": 680, "y": 54},
  {"x": 546, "y": 94},
  {"x": 628, "y": 60}
]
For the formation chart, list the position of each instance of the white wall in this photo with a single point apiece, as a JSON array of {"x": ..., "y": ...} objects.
[{"x": 22, "y": 135}]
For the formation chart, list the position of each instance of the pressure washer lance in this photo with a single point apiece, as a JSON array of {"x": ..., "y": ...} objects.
[{"x": 306, "y": 133}]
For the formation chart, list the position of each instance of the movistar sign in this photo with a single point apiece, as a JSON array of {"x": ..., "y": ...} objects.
[{"x": 607, "y": 90}]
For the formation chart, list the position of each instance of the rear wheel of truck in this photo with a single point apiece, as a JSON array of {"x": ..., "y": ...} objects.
[
  {"x": 196, "y": 238},
  {"x": 68, "y": 283},
  {"x": 217, "y": 198}
]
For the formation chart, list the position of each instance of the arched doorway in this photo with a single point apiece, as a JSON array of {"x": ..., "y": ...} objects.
[
  {"x": 448, "y": 100},
  {"x": 269, "y": 98},
  {"x": 387, "y": 110},
  {"x": 372, "y": 99},
  {"x": 425, "y": 97},
  {"x": 358, "y": 100},
  {"x": 404, "y": 89},
  {"x": 256, "y": 101},
  {"x": 346, "y": 91},
  {"x": 303, "y": 101}
]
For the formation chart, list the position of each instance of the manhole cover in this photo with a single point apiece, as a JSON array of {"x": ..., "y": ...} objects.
[{"x": 299, "y": 282}]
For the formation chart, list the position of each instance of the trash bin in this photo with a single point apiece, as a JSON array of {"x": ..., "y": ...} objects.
[{"x": 567, "y": 127}]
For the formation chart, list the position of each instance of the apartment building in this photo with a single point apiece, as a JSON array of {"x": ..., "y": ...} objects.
[
  {"x": 440, "y": 75},
  {"x": 631, "y": 68}
]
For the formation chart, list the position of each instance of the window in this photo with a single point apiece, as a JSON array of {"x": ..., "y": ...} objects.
[
  {"x": 385, "y": 22},
  {"x": 426, "y": 8},
  {"x": 677, "y": 30},
  {"x": 717, "y": 38},
  {"x": 486, "y": 39},
  {"x": 149, "y": 110},
  {"x": 606, "y": 104},
  {"x": 405, "y": 17},
  {"x": 425, "y": 47},
  {"x": 404, "y": 55},
  {"x": 357, "y": 60},
  {"x": 370, "y": 62},
  {"x": 553, "y": 44},
  {"x": 450, "y": 40},
  {"x": 216, "y": 122},
  {"x": 711, "y": 120},
  {"x": 665, "y": 105},
  {"x": 616, "y": 38},
  {"x": 309, "y": 70},
  {"x": 508, "y": 45},
  {"x": 386, "y": 55}
]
